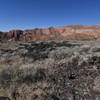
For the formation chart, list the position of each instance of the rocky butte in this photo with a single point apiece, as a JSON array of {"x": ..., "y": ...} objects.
[{"x": 51, "y": 33}]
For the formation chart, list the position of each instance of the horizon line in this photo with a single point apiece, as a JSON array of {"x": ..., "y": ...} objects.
[{"x": 49, "y": 27}]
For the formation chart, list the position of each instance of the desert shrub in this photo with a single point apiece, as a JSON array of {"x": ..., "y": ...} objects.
[
  {"x": 60, "y": 53},
  {"x": 27, "y": 75},
  {"x": 84, "y": 48},
  {"x": 31, "y": 75},
  {"x": 5, "y": 76},
  {"x": 95, "y": 49}
]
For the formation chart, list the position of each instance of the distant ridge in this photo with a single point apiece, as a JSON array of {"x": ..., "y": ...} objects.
[{"x": 51, "y": 33}]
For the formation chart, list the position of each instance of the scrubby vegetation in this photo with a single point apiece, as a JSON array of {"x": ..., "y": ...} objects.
[
  {"x": 11, "y": 76},
  {"x": 51, "y": 70}
]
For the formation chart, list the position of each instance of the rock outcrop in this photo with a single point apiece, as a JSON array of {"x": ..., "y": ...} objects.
[{"x": 68, "y": 32}]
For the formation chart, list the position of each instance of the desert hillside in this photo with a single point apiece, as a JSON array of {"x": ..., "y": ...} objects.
[{"x": 50, "y": 70}]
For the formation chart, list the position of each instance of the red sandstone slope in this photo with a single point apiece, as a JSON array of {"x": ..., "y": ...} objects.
[{"x": 68, "y": 32}]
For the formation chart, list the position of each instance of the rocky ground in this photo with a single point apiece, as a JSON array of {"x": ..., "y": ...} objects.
[{"x": 50, "y": 70}]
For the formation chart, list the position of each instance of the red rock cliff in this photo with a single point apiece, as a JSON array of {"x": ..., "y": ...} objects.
[{"x": 68, "y": 32}]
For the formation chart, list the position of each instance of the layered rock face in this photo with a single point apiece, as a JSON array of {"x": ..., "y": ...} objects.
[{"x": 68, "y": 32}]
